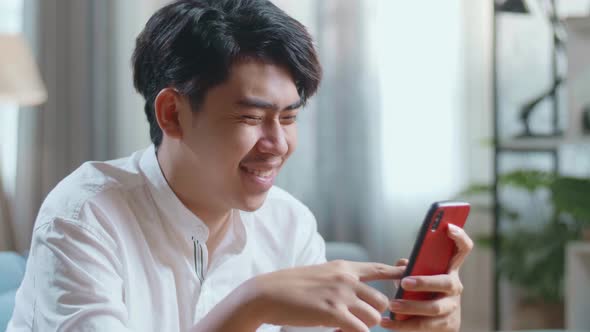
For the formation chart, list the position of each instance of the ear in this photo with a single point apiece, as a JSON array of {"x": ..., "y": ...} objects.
[{"x": 167, "y": 105}]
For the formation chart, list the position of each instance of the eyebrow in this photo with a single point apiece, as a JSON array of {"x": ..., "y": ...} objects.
[{"x": 253, "y": 102}]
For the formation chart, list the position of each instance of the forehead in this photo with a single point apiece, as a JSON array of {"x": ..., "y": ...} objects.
[{"x": 254, "y": 78}]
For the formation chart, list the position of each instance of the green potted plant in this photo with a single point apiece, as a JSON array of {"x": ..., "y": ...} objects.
[{"x": 533, "y": 252}]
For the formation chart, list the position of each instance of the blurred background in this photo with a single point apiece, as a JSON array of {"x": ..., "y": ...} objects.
[{"x": 421, "y": 101}]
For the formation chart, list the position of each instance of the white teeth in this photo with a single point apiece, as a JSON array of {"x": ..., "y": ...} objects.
[{"x": 256, "y": 172}]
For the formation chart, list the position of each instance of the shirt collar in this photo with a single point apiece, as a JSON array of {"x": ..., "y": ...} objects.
[
  {"x": 167, "y": 203},
  {"x": 176, "y": 213}
]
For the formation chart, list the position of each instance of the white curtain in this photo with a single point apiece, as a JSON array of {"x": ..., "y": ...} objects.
[
  {"x": 338, "y": 154},
  {"x": 83, "y": 49},
  {"x": 11, "y": 14},
  {"x": 386, "y": 134},
  {"x": 423, "y": 115},
  {"x": 61, "y": 134}
]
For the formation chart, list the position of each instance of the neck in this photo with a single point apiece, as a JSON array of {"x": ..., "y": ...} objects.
[{"x": 191, "y": 194}]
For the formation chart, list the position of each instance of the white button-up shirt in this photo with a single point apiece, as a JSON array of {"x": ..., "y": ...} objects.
[{"x": 114, "y": 249}]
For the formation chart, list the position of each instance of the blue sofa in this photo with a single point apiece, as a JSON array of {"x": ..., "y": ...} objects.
[{"x": 12, "y": 270}]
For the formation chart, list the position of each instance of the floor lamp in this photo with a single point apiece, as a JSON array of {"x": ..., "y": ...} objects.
[{"x": 20, "y": 85}]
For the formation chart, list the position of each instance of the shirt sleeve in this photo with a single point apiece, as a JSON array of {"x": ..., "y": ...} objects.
[
  {"x": 311, "y": 250},
  {"x": 77, "y": 283},
  {"x": 310, "y": 246}
]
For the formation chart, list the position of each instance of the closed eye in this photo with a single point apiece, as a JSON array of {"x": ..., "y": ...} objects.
[
  {"x": 289, "y": 119},
  {"x": 251, "y": 119}
]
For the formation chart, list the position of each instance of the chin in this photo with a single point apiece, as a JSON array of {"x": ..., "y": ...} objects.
[{"x": 252, "y": 203}]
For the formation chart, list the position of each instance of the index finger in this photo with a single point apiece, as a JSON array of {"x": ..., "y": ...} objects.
[
  {"x": 376, "y": 271},
  {"x": 402, "y": 262}
]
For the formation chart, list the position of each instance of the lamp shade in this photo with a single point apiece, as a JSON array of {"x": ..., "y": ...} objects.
[
  {"x": 20, "y": 81},
  {"x": 512, "y": 6}
]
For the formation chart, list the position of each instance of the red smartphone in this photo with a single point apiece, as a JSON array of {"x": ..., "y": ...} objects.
[{"x": 433, "y": 249}]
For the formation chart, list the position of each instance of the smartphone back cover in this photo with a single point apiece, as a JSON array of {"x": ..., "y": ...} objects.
[{"x": 433, "y": 249}]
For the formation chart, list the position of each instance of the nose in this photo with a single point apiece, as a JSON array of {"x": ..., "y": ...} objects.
[{"x": 273, "y": 140}]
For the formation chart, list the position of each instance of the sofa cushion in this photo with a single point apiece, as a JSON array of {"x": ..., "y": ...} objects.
[
  {"x": 12, "y": 270},
  {"x": 6, "y": 307}
]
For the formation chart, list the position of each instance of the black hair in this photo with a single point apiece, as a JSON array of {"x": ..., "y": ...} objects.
[{"x": 191, "y": 45}]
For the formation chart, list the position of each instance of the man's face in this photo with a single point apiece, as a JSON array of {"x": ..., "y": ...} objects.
[{"x": 242, "y": 134}]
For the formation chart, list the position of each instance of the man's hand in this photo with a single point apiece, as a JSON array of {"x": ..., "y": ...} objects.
[
  {"x": 444, "y": 313},
  {"x": 332, "y": 294}
]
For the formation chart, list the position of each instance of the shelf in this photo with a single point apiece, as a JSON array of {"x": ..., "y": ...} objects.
[
  {"x": 541, "y": 144},
  {"x": 577, "y": 279}
]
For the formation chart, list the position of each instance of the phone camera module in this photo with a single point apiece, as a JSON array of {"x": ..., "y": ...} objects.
[
  {"x": 436, "y": 222},
  {"x": 434, "y": 227}
]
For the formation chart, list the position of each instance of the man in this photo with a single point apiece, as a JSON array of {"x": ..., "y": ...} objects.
[{"x": 190, "y": 234}]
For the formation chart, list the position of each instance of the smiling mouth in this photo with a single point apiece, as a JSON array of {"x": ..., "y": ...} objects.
[{"x": 268, "y": 173}]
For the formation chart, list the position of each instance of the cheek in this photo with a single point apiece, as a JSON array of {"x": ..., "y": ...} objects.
[
  {"x": 224, "y": 146},
  {"x": 291, "y": 138},
  {"x": 241, "y": 141}
]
